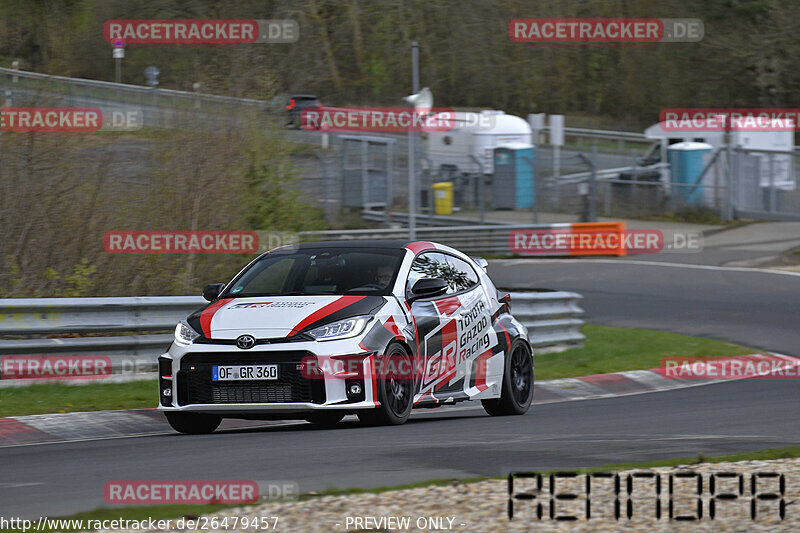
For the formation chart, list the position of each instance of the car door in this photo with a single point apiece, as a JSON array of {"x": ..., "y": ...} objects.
[{"x": 454, "y": 329}]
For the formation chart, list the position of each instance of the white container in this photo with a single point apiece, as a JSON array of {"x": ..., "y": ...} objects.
[
  {"x": 782, "y": 164},
  {"x": 475, "y": 134}
]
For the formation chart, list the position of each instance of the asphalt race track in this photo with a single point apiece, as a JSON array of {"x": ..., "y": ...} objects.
[{"x": 752, "y": 308}]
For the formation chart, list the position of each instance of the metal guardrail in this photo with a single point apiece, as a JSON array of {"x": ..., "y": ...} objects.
[
  {"x": 472, "y": 239},
  {"x": 399, "y": 217},
  {"x": 61, "y": 316},
  {"x": 552, "y": 319},
  {"x": 602, "y": 134},
  {"x": 32, "y": 316}
]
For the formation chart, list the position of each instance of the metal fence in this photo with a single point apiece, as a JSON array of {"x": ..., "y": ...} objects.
[
  {"x": 623, "y": 186},
  {"x": 552, "y": 318},
  {"x": 157, "y": 107}
]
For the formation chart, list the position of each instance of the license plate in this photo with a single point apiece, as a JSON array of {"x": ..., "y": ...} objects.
[{"x": 243, "y": 372}]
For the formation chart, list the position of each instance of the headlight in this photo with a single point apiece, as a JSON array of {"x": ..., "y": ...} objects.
[
  {"x": 342, "y": 329},
  {"x": 184, "y": 334}
]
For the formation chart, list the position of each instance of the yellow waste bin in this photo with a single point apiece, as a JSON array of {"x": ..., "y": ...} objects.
[{"x": 443, "y": 197}]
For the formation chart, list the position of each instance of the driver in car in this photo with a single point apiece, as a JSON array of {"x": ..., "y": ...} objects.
[{"x": 384, "y": 276}]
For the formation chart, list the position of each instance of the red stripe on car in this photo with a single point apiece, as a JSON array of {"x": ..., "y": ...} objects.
[
  {"x": 329, "y": 309},
  {"x": 449, "y": 336},
  {"x": 414, "y": 321},
  {"x": 480, "y": 373},
  {"x": 391, "y": 325},
  {"x": 419, "y": 246},
  {"x": 208, "y": 314},
  {"x": 508, "y": 339},
  {"x": 374, "y": 381},
  {"x": 448, "y": 306}
]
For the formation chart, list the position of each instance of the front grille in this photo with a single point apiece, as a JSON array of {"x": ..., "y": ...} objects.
[
  {"x": 195, "y": 385},
  {"x": 301, "y": 337}
]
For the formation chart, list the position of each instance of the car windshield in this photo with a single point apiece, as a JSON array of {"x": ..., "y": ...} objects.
[{"x": 317, "y": 271}]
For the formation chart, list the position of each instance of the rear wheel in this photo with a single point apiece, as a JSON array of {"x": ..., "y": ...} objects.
[
  {"x": 324, "y": 418},
  {"x": 517, "y": 390},
  {"x": 395, "y": 391},
  {"x": 193, "y": 423}
]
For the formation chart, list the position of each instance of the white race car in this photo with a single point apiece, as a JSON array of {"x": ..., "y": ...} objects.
[{"x": 317, "y": 331}]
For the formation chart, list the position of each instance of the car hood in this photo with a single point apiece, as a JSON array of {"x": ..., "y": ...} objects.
[{"x": 278, "y": 316}]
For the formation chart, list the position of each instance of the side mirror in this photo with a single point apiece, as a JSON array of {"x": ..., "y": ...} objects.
[
  {"x": 428, "y": 288},
  {"x": 211, "y": 292}
]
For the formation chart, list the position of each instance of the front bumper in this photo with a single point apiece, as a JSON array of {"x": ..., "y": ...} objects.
[{"x": 185, "y": 380}]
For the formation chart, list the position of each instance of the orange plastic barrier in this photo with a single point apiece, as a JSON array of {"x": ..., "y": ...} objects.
[{"x": 598, "y": 238}]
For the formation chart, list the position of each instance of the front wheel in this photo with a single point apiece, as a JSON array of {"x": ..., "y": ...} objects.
[
  {"x": 193, "y": 423},
  {"x": 395, "y": 391},
  {"x": 517, "y": 390}
]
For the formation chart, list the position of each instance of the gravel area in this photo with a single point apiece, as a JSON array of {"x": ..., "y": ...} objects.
[{"x": 483, "y": 506}]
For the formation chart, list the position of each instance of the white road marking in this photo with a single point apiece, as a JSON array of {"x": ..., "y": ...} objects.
[
  {"x": 653, "y": 263},
  {"x": 17, "y": 485}
]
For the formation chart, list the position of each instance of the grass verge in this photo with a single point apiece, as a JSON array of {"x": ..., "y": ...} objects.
[
  {"x": 607, "y": 349},
  {"x": 157, "y": 512},
  {"x": 610, "y": 349},
  {"x": 62, "y": 398}
]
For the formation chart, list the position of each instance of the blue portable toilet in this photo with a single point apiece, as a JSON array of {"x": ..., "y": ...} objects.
[
  {"x": 686, "y": 163},
  {"x": 512, "y": 184}
]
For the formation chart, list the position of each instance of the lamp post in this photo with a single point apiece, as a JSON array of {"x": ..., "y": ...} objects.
[{"x": 421, "y": 100}]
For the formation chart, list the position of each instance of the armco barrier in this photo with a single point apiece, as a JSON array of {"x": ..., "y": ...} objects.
[
  {"x": 473, "y": 239},
  {"x": 552, "y": 319},
  {"x": 59, "y": 316}
]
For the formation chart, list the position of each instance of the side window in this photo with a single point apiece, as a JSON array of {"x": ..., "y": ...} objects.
[
  {"x": 457, "y": 273},
  {"x": 426, "y": 265},
  {"x": 465, "y": 276}
]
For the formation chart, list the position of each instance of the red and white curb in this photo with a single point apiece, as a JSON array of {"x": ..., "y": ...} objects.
[
  {"x": 73, "y": 427},
  {"x": 656, "y": 379}
]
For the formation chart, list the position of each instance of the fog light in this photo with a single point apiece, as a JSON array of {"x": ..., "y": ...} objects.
[
  {"x": 354, "y": 389},
  {"x": 167, "y": 392}
]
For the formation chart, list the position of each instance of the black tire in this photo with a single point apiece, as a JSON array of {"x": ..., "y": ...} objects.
[
  {"x": 395, "y": 394},
  {"x": 324, "y": 418},
  {"x": 516, "y": 393},
  {"x": 193, "y": 423}
]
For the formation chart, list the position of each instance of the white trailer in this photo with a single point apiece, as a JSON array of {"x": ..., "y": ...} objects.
[
  {"x": 474, "y": 135},
  {"x": 782, "y": 177}
]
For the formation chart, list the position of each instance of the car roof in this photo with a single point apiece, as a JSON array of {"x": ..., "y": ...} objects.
[
  {"x": 395, "y": 244},
  {"x": 296, "y": 96}
]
